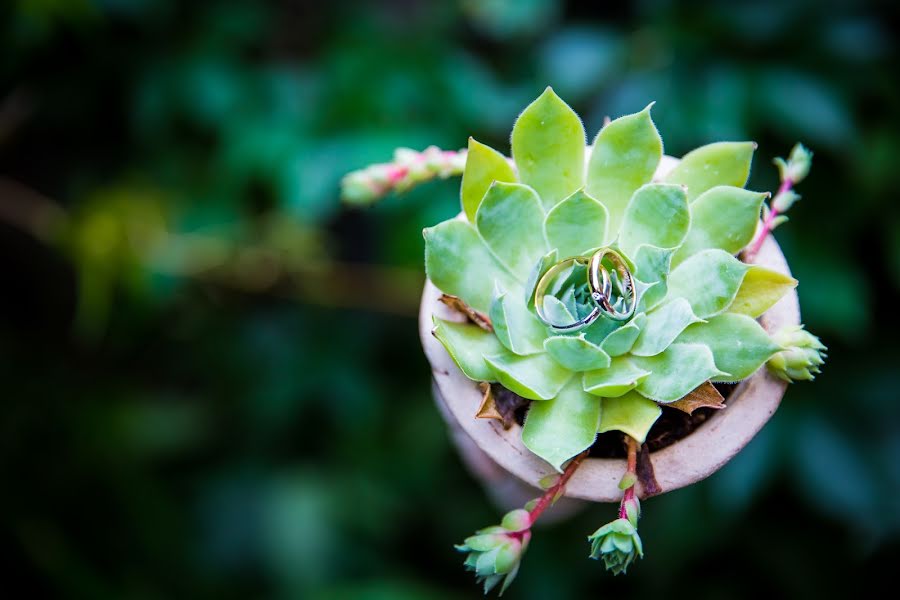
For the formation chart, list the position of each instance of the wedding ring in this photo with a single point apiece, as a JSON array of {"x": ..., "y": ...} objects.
[
  {"x": 543, "y": 286},
  {"x": 600, "y": 285}
]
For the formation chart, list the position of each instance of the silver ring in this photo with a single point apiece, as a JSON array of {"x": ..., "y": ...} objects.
[
  {"x": 544, "y": 283},
  {"x": 600, "y": 284}
]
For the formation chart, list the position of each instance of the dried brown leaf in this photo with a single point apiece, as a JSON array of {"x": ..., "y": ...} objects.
[
  {"x": 476, "y": 317},
  {"x": 705, "y": 396},
  {"x": 645, "y": 473},
  {"x": 499, "y": 403}
]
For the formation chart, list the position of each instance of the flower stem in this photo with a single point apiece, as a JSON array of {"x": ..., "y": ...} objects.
[
  {"x": 767, "y": 227},
  {"x": 632, "y": 469},
  {"x": 553, "y": 491}
]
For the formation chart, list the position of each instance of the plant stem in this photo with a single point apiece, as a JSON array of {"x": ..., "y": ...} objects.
[
  {"x": 632, "y": 468},
  {"x": 750, "y": 254},
  {"x": 550, "y": 495}
]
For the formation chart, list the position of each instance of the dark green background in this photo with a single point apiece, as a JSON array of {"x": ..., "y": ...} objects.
[{"x": 212, "y": 384}]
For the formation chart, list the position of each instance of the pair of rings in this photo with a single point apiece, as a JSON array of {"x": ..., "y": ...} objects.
[{"x": 599, "y": 285}]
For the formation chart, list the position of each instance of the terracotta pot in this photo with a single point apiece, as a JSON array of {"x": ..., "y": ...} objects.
[{"x": 511, "y": 472}]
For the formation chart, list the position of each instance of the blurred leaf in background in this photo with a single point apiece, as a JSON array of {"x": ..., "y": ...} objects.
[{"x": 212, "y": 384}]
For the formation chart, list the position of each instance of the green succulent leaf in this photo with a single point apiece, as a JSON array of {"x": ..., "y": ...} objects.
[
  {"x": 484, "y": 166},
  {"x": 724, "y": 218},
  {"x": 621, "y": 376},
  {"x": 557, "y": 311},
  {"x": 738, "y": 343},
  {"x": 515, "y": 326},
  {"x": 458, "y": 263},
  {"x": 548, "y": 148},
  {"x": 721, "y": 163},
  {"x": 560, "y": 428},
  {"x": 511, "y": 221},
  {"x": 652, "y": 265},
  {"x": 760, "y": 290},
  {"x": 621, "y": 340},
  {"x": 676, "y": 371},
  {"x": 537, "y": 271},
  {"x": 625, "y": 155},
  {"x": 663, "y": 325},
  {"x": 657, "y": 215},
  {"x": 467, "y": 345},
  {"x": 536, "y": 377},
  {"x": 631, "y": 414},
  {"x": 709, "y": 280},
  {"x": 576, "y": 225},
  {"x": 576, "y": 353}
]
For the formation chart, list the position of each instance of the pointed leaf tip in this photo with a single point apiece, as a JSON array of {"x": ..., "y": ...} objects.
[{"x": 548, "y": 148}]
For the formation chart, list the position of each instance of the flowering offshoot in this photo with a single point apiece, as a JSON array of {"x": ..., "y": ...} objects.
[
  {"x": 792, "y": 171},
  {"x": 409, "y": 168},
  {"x": 802, "y": 357},
  {"x": 494, "y": 553},
  {"x": 617, "y": 544}
]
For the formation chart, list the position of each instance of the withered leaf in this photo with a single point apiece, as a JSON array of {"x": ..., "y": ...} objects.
[
  {"x": 499, "y": 403},
  {"x": 705, "y": 396},
  {"x": 476, "y": 317},
  {"x": 645, "y": 473}
]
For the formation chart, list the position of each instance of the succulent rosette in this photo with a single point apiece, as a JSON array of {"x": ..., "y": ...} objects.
[{"x": 695, "y": 320}]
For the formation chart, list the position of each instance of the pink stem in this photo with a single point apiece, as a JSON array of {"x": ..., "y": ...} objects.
[
  {"x": 750, "y": 254},
  {"x": 547, "y": 499},
  {"x": 632, "y": 468}
]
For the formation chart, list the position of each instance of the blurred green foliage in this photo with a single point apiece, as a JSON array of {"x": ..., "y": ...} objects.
[{"x": 212, "y": 383}]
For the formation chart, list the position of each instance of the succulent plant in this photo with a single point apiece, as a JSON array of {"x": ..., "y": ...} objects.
[
  {"x": 617, "y": 544},
  {"x": 695, "y": 319},
  {"x": 680, "y": 308},
  {"x": 495, "y": 553},
  {"x": 802, "y": 356}
]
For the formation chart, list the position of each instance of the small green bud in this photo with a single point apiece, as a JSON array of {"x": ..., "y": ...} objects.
[
  {"x": 633, "y": 510},
  {"x": 628, "y": 480},
  {"x": 516, "y": 520},
  {"x": 797, "y": 166},
  {"x": 494, "y": 553},
  {"x": 617, "y": 544},
  {"x": 779, "y": 220},
  {"x": 785, "y": 200},
  {"x": 802, "y": 356}
]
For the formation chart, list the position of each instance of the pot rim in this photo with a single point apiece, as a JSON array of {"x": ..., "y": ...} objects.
[{"x": 689, "y": 460}]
